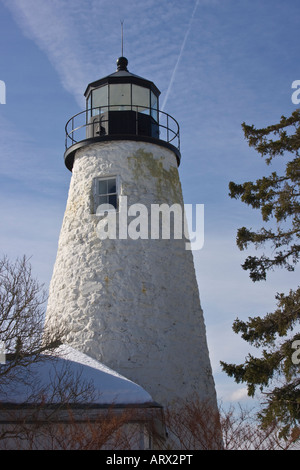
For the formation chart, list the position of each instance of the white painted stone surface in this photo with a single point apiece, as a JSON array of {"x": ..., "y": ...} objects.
[{"x": 131, "y": 304}]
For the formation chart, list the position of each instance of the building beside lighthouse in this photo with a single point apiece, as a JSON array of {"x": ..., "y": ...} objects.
[{"x": 124, "y": 290}]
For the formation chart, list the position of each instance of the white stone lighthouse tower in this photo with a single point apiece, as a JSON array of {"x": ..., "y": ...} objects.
[{"x": 125, "y": 291}]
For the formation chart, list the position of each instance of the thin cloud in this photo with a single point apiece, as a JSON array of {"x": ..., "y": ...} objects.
[
  {"x": 78, "y": 37},
  {"x": 56, "y": 36}
]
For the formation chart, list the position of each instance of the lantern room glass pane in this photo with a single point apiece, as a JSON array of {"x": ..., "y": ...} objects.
[
  {"x": 88, "y": 107},
  {"x": 154, "y": 106},
  {"x": 100, "y": 100},
  {"x": 89, "y": 102},
  {"x": 141, "y": 98},
  {"x": 119, "y": 96}
]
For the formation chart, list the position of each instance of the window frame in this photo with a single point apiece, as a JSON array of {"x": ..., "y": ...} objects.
[{"x": 97, "y": 195}]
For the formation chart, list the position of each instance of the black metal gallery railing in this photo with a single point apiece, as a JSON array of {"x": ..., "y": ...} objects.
[{"x": 130, "y": 121}]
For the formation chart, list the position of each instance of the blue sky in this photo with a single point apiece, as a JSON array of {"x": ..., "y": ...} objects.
[{"x": 217, "y": 63}]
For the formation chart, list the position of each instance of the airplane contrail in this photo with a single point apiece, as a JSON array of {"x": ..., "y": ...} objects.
[{"x": 179, "y": 56}]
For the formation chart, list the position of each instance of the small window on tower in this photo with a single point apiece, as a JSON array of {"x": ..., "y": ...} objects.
[{"x": 105, "y": 194}]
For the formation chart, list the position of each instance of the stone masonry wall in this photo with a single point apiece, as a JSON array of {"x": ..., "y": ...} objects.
[{"x": 132, "y": 304}]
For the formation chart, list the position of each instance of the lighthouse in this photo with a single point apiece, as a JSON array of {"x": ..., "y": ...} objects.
[{"x": 124, "y": 286}]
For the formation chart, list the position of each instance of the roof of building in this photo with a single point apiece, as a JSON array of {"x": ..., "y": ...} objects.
[
  {"x": 122, "y": 75},
  {"x": 67, "y": 369}
]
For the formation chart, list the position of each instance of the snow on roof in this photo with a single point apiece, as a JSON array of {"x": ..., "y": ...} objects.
[{"x": 109, "y": 387}]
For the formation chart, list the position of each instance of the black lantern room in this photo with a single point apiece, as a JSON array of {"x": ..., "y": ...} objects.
[
  {"x": 122, "y": 103},
  {"x": 121, "y": 106}
]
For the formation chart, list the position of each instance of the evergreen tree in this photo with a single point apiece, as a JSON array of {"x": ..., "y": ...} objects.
[{"x": 276, "y": 372}]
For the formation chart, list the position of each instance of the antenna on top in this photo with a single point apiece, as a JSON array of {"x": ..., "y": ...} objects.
[
  {"x": 122, "y": 62},
  {"x": 122, "y": 35}
]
